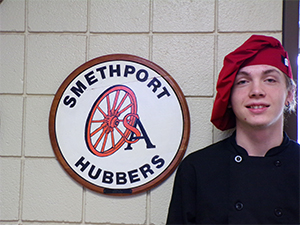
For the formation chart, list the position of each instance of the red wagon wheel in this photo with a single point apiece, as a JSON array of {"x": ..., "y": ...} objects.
[{"x": 111, "y": 120}]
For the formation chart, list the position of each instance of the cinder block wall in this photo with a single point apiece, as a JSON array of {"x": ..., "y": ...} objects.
[{"x": 41, "y": 42}]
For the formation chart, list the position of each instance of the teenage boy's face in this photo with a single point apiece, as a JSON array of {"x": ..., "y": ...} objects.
[{"x": 258, "y": 96}]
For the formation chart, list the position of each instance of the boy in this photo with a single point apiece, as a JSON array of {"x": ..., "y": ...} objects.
[{"x": 251, "y": 177}]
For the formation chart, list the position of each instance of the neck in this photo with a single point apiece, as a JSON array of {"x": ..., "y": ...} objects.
[{"x": 257, "y": 142}]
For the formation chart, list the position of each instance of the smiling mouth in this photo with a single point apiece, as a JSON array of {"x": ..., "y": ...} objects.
[{"x": 257, "y": 106}]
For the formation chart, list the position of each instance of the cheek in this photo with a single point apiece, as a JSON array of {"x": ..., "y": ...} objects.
[
  {"x": 280, "y": 96},
  {"x": 236, "y": 97},
  {"x": 237, "y": 104}
]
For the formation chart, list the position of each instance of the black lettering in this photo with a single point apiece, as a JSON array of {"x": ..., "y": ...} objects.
[
  {"x": 146, "y": 169},
  {"x": 101, "y": 70},
  {"x": 70, "y": 101},
  {"x": 139, "y": 77},
  {"x": 121, "y": 178},
  {"x": 112, "y": 70},
  {"x": 91, "y": 172},
  {"x": 159, "y": 161},
  {"x": 133, "y": 176},
  {"x": 143, "y": 136},
  {"x": 128, "y": 70},
  {"x": 90, "y": 79},
  {"x": 84, "y": 165},
  {"x": 155, "y": 83},
  {"x": 107, "y": 177},
  {"x": 79, "y": 89},
  {"x": 165, "y": 92}
]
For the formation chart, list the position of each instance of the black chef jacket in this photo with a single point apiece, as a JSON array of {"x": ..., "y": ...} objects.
[{"x": 221, "y": 184}]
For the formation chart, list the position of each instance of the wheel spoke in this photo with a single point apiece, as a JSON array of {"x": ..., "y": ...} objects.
[
  {"x": 122, "y": 101},
  {"x": 97, "y": 121},
  {"x": 123, "y": 110},
  {"x": 116, "y": 100},
  {"x": 104, "y": 142},
  {"x": 108, "y": 105},
  {"x": 103, "y": 113},
  {"x": 112, "y": 139},
  {"x": 122, "y": 134},
  {"x": 98, "y": 129},
  {"x": 99, "y": 139}
]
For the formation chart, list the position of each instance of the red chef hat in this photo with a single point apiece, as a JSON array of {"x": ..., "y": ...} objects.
[{"x": 258, "y": 49}]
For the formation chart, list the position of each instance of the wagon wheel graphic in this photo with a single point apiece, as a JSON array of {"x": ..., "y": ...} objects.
[{"x": 111, "y": 121}]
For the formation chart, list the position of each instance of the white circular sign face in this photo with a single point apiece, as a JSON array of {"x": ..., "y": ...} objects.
[{"x": 119, "y": 124}]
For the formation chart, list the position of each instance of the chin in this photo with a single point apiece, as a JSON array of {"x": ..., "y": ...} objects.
[{"x": 262, "y": 124}]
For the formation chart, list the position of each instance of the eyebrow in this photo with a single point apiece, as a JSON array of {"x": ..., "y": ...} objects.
[
  {"x": 242, "y": 73},
  {"x": 271, "y": 70},
  {"x": 264, "y": 72}
]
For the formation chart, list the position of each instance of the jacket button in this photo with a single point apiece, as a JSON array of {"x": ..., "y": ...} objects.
[
  {"x": 238, "y": 158},
  {"x": 239, "y": 206},
  {"x": 277, "y": 163},
  {"x": 278, "y": 212}
]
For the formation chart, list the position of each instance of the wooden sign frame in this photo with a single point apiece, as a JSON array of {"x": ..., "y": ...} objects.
[{"x": 62, "y": 100}]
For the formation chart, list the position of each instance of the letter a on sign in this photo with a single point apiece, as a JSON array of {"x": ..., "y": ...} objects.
[{"x": 119, "y": 124}]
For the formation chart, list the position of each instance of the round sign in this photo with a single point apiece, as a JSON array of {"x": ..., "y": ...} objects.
[{"x": 119, "y": 124}]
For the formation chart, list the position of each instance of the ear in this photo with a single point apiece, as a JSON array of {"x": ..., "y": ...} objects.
[{"x": 290, "y": 95}]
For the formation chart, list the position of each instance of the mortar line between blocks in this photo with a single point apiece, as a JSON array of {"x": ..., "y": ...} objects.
[
  {"x": 151, "y": 30},
  {"x": 88, "y": 32},
  {"x": 148, "y": 207},
  {"x": 24, "y": 97},
  {"x": 87, "y": 57},
  {"x": 215, "y": 68},
  {"x": 148, "y": 193}
]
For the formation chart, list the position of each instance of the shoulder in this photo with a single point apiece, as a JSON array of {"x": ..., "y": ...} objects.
[
  {"x": 213, "y": 153},
  {"x": 294, "y": 145},
  {"x": 292, "y": 152},
  {"x": 292, "y": 148},
  {"x": 219, "y": 148}
]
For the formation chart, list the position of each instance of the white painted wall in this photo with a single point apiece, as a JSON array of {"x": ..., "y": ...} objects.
[{"x": 42, "y": 42}]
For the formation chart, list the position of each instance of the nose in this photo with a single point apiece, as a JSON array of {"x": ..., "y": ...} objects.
[{"x": 256, "y": 90}]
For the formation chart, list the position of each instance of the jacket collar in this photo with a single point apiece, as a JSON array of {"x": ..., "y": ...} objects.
[{"x": 271, "y": 152}]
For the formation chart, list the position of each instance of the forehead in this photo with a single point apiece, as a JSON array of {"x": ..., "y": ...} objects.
[{"x": 259, "y": 69}]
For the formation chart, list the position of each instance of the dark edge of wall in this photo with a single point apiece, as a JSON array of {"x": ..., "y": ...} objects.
[{"x": 290, "y": 37}]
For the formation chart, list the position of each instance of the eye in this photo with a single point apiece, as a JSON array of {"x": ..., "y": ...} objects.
[
  {"x": 271, "y": 80},
  {"x": 241, "y": 82}
]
